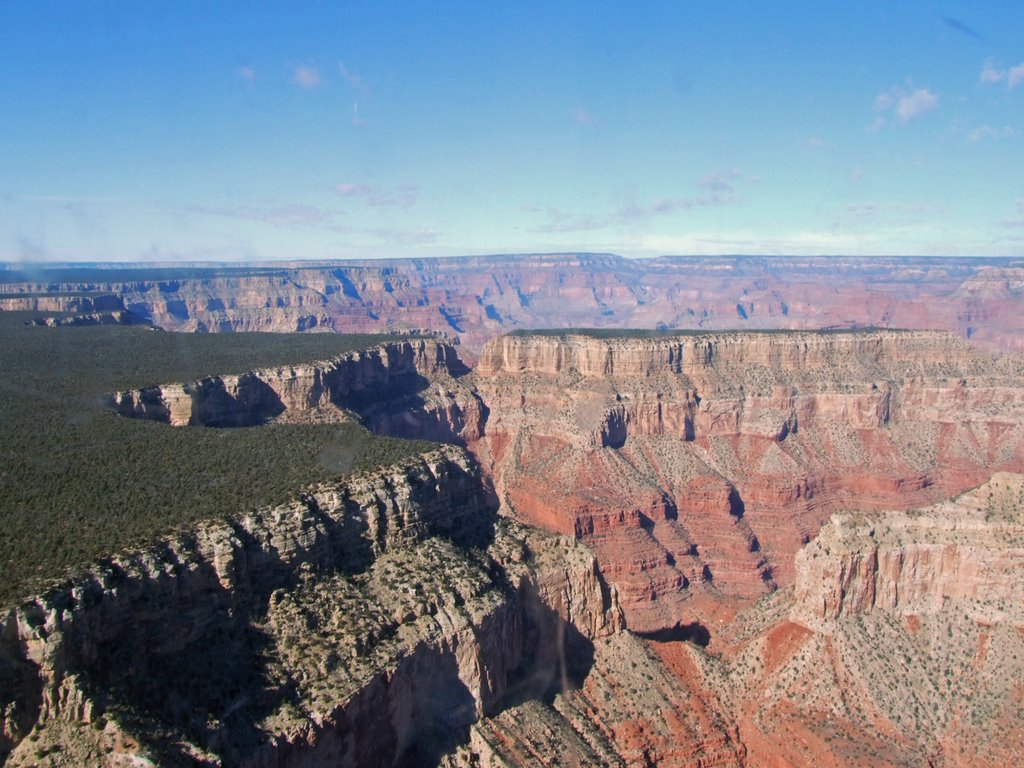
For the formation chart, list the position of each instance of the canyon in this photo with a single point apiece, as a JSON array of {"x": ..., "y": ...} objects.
[
  {"x": 696, "y": 466},
  {"x": 478, "y": 298},
  {"x": 704, "y": 548}
]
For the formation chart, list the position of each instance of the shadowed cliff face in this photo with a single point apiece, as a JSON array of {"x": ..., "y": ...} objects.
[
  {"x": 691, "y": 465},
  {"x": 695, "y": 468},
  {"x": 402, "y": 388},
  {"x": 363, "y": 621}
]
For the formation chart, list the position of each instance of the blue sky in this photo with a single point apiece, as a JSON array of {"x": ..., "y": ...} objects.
[{"x": 199, "y": 131}]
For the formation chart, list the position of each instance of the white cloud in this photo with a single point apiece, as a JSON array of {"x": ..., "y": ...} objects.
[
  {"x": 307, "y": 78},
  {"x": 989, "y": 74},
  {"x": 583, "y": 116},
  {"x": 719, "y": 191},
  {"x": 886, "y": 99},
  {"x": 247, "y": 73},
  {"x": 353, "y": 78},
  {"x": 719, "y": 181},
  {"x": 904, "y": 104},
  {"x": 984, "y": 132},
  {"x": 400, "y": 196},
  {"x": 1015, "y": 76},
  {"x": 915, "y": 104}
]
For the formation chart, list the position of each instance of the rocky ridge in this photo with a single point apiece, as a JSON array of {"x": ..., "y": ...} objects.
[
  {"x": 400, "y": 388},
  {"x": 479, "y": 298},
  {"x": 319, "y": 633},
  {"x": 901, "y": 642},
  {"x": 692, "y": 465},
  {"x": 694, "y": 468},
  {"x": 915, "y": 563}
]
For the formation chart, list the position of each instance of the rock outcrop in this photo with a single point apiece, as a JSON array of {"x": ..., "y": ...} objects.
[
  {"x": 347, "y": 628},
  {"x": 400, "y": 388},
  {"x": 690, "y": 464},
  {"x": 396, "y": 619},
  {"x": 700, "y": 464},
  {"x": 965, "y": 550},
  {"x": 901, "y": 643},
  {"x": 479, "y": 298}
]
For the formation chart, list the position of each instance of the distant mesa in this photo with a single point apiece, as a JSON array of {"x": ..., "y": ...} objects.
[{"x": 478, "y": 298}]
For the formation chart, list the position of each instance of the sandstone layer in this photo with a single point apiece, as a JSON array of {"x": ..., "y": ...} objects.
[
  {"x": 698, "y": 465},
  {"x": 398, "y": 619},
  {"x": 400, "y": 388},
  {"x": 928, "y": 675},
  {"x": 693, "y": 465},
  {"x": 479, "y": 298},
  {"x": 902, "y": 642}
]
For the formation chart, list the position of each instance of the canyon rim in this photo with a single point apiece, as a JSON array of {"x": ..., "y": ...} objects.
[{"x": 674, "y": 546}]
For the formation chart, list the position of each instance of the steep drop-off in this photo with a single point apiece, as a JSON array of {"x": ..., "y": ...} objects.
[
  {"x": 400, "y": 388},
  {"x": 901, "y": 643},
  {"x": 698, "y": 465},
  {"x": 397, "y": 619},
  {"x": 694, "y": 466},
  {"x": 365, "y": 623}
]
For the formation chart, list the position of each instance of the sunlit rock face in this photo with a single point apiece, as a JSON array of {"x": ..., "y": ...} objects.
[
  {"x": 752, "y": 534},
  {"x": 701, "y": 464},
  {"x": 345, "y": 628},
  {"x": 692, "y": 465},
  {"x": 479, "y": 298}
]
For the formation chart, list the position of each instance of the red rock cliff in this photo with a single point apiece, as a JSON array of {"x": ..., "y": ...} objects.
[{"x": 700, "y": 464}]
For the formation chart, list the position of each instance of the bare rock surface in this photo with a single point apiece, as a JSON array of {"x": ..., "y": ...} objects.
[
  {"x": 481, "y": 297},
  {"x": 699, "y": 465},
  {"x": 735, "y": 549}
]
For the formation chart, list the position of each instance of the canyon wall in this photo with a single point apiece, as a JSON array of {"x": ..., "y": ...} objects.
[
  {"x": 915, "y": 563},
  {"x": 341, "y": 629},
  {"x": 396, "y": 619},
  {"x": 400, "y": 388},
  {"x": 919, "y": 667},
  {"x": 907, "y": 627},
  {"x": 479, "y": 298},
  {"x": 696, "y": 466}
]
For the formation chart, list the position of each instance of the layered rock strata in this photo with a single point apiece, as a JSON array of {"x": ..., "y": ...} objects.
[
  {"x": 480, "y": 298},
  {"x": 350, "y": 627},
  {"x": 694, "y": 464},
  {"x": 964, "y": 550},
  {"x": 394, "y": 619},
  {"x": 901, "y": 642},
  {"x": 400, "y": 388},
  {"x": 700, "y": 464}
]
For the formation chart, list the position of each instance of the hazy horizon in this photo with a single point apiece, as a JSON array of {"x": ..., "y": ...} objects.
[{"x": 188, "y": 132}]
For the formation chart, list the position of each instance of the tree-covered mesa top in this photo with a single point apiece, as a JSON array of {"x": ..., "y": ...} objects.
[
  {"x": 668, "y": 333},
  {"x": 78, "y": 482}
]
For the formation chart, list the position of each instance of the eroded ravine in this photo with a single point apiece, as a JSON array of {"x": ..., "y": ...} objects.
[{"x": 693, "y": 467}]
